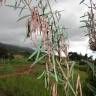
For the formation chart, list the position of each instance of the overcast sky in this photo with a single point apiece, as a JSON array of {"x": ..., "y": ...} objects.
[{"x": 13, "y": 32}]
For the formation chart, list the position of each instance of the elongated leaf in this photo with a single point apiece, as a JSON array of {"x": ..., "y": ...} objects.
[
  {"x": 72, "y": 66},
  {"x": 13, "y": 6},
  {"x": 71, "y": 87},
  {"x": 83, "y": 16},
  {"x": 83, "y": 26},
  {"x": 84, "y": 21},
  {"x": 17, "y": 4},
  {"x": 40, "y": 59},
  {"x": 45, "y": 81},
  {"x": 22, "y": 10},
  {"x": 23, "y": 17},
  {"x": 93, "y": 89},
  {"x": 33, "y": 54},
  {"x": 54, "y": 64},
  {"x": 82, "y": 1},
  {"x": 38, "y": 53},
  {"x": 41, "y": 75},
  {"x": 92, "y": 67},
  {"x": 87, "y": 34},
  {"x": 60, "y": 79}
]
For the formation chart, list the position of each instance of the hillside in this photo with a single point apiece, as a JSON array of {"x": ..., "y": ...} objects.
[{"x": 15, "y": 49}]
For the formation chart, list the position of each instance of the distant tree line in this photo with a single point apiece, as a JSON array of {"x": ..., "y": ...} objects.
[
  {"x": 5, "y": 54},
  {"x": 74, "y": 56}
]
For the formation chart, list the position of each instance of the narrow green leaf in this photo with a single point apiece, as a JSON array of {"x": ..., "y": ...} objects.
[
  {"x": 83, "y": 16},
  {"x": 84, "y": 21},
  {"x": 93, "y": 89},
  {"x": 22, "y": 10},
  {"x": 91, "y": 65},
  {"x": 39, "y": 59},
  {"x": 54, "y": 63},
  {"x": 83, "y": 26},
  {"x": 82, "y": 1},
  {"x": 67, "y": 81},
  {"x": 14, "y": 6},
  {"x": 60, "y": 79},
  {"x": 34, "y": 53},
  {"x": 38, "y": 53},
  {"x": 10, "y": 5},
  {"x": 41, "y": 75},
  {"x": 72, "y": 66},
  {"x": 23, "y": 17},
  {"x": 45, "y": 81}
]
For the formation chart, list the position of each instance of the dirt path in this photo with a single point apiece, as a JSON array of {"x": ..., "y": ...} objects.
[{"x": 19, "y": 71}]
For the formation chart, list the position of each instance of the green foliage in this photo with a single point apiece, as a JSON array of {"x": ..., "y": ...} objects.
[
  {"x": 23, "y": 86},
  {"x": 29, "y": 85},
  {"x": 15, "y": 61},
  {"x": 23, "y": 17},
  {"x": 6, "y": 69}
]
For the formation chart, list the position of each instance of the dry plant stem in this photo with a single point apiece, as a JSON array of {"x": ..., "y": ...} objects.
[
  {"x": 47, "y": 70},
  {"x": 52, "y": 13},
  {"x": 66, "y": 62},
  {"x": 29, "y": 2},
  {"x": 28, "y": 5},
  {"x": 78, "y": 86},
  {"x": 54, "y": 89},
  {"x": 66, "y": 78},
  {"x": 68, "y": 70}
]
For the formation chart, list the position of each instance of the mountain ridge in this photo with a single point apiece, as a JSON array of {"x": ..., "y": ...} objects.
[{"x": 15, "y": 48}]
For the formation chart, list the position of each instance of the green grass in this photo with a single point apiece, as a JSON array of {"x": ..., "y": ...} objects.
[
  {"x": 15, "y": 61},
  {"x": 23, "y": 86},
  {"x": 26, "y": 85},
  {"x": 6, "y": 69},
  {"x": 29, "y": 85}
]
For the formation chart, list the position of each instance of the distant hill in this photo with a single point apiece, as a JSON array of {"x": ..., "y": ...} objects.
[{"x": 16, "y": 49}]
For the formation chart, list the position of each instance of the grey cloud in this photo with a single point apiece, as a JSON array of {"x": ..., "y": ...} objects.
[
  {"x": 13, "y": 32},
  {"x": 9, "y": 17},
  {"x": 71, "y": 18}
]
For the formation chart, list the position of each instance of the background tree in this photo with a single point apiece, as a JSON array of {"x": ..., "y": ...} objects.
[{"x": 90, "y": 23}]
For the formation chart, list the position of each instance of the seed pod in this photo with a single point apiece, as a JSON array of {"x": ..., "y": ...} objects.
[
  {"x": 2, "y": 1},
  {"x": 28, "y": 29}
]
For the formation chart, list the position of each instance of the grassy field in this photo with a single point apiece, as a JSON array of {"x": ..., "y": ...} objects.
[
  {"x": 12, "y": 84},
  {"x": 28, "y": 85},
  {"x": 24, "y": 85}
]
